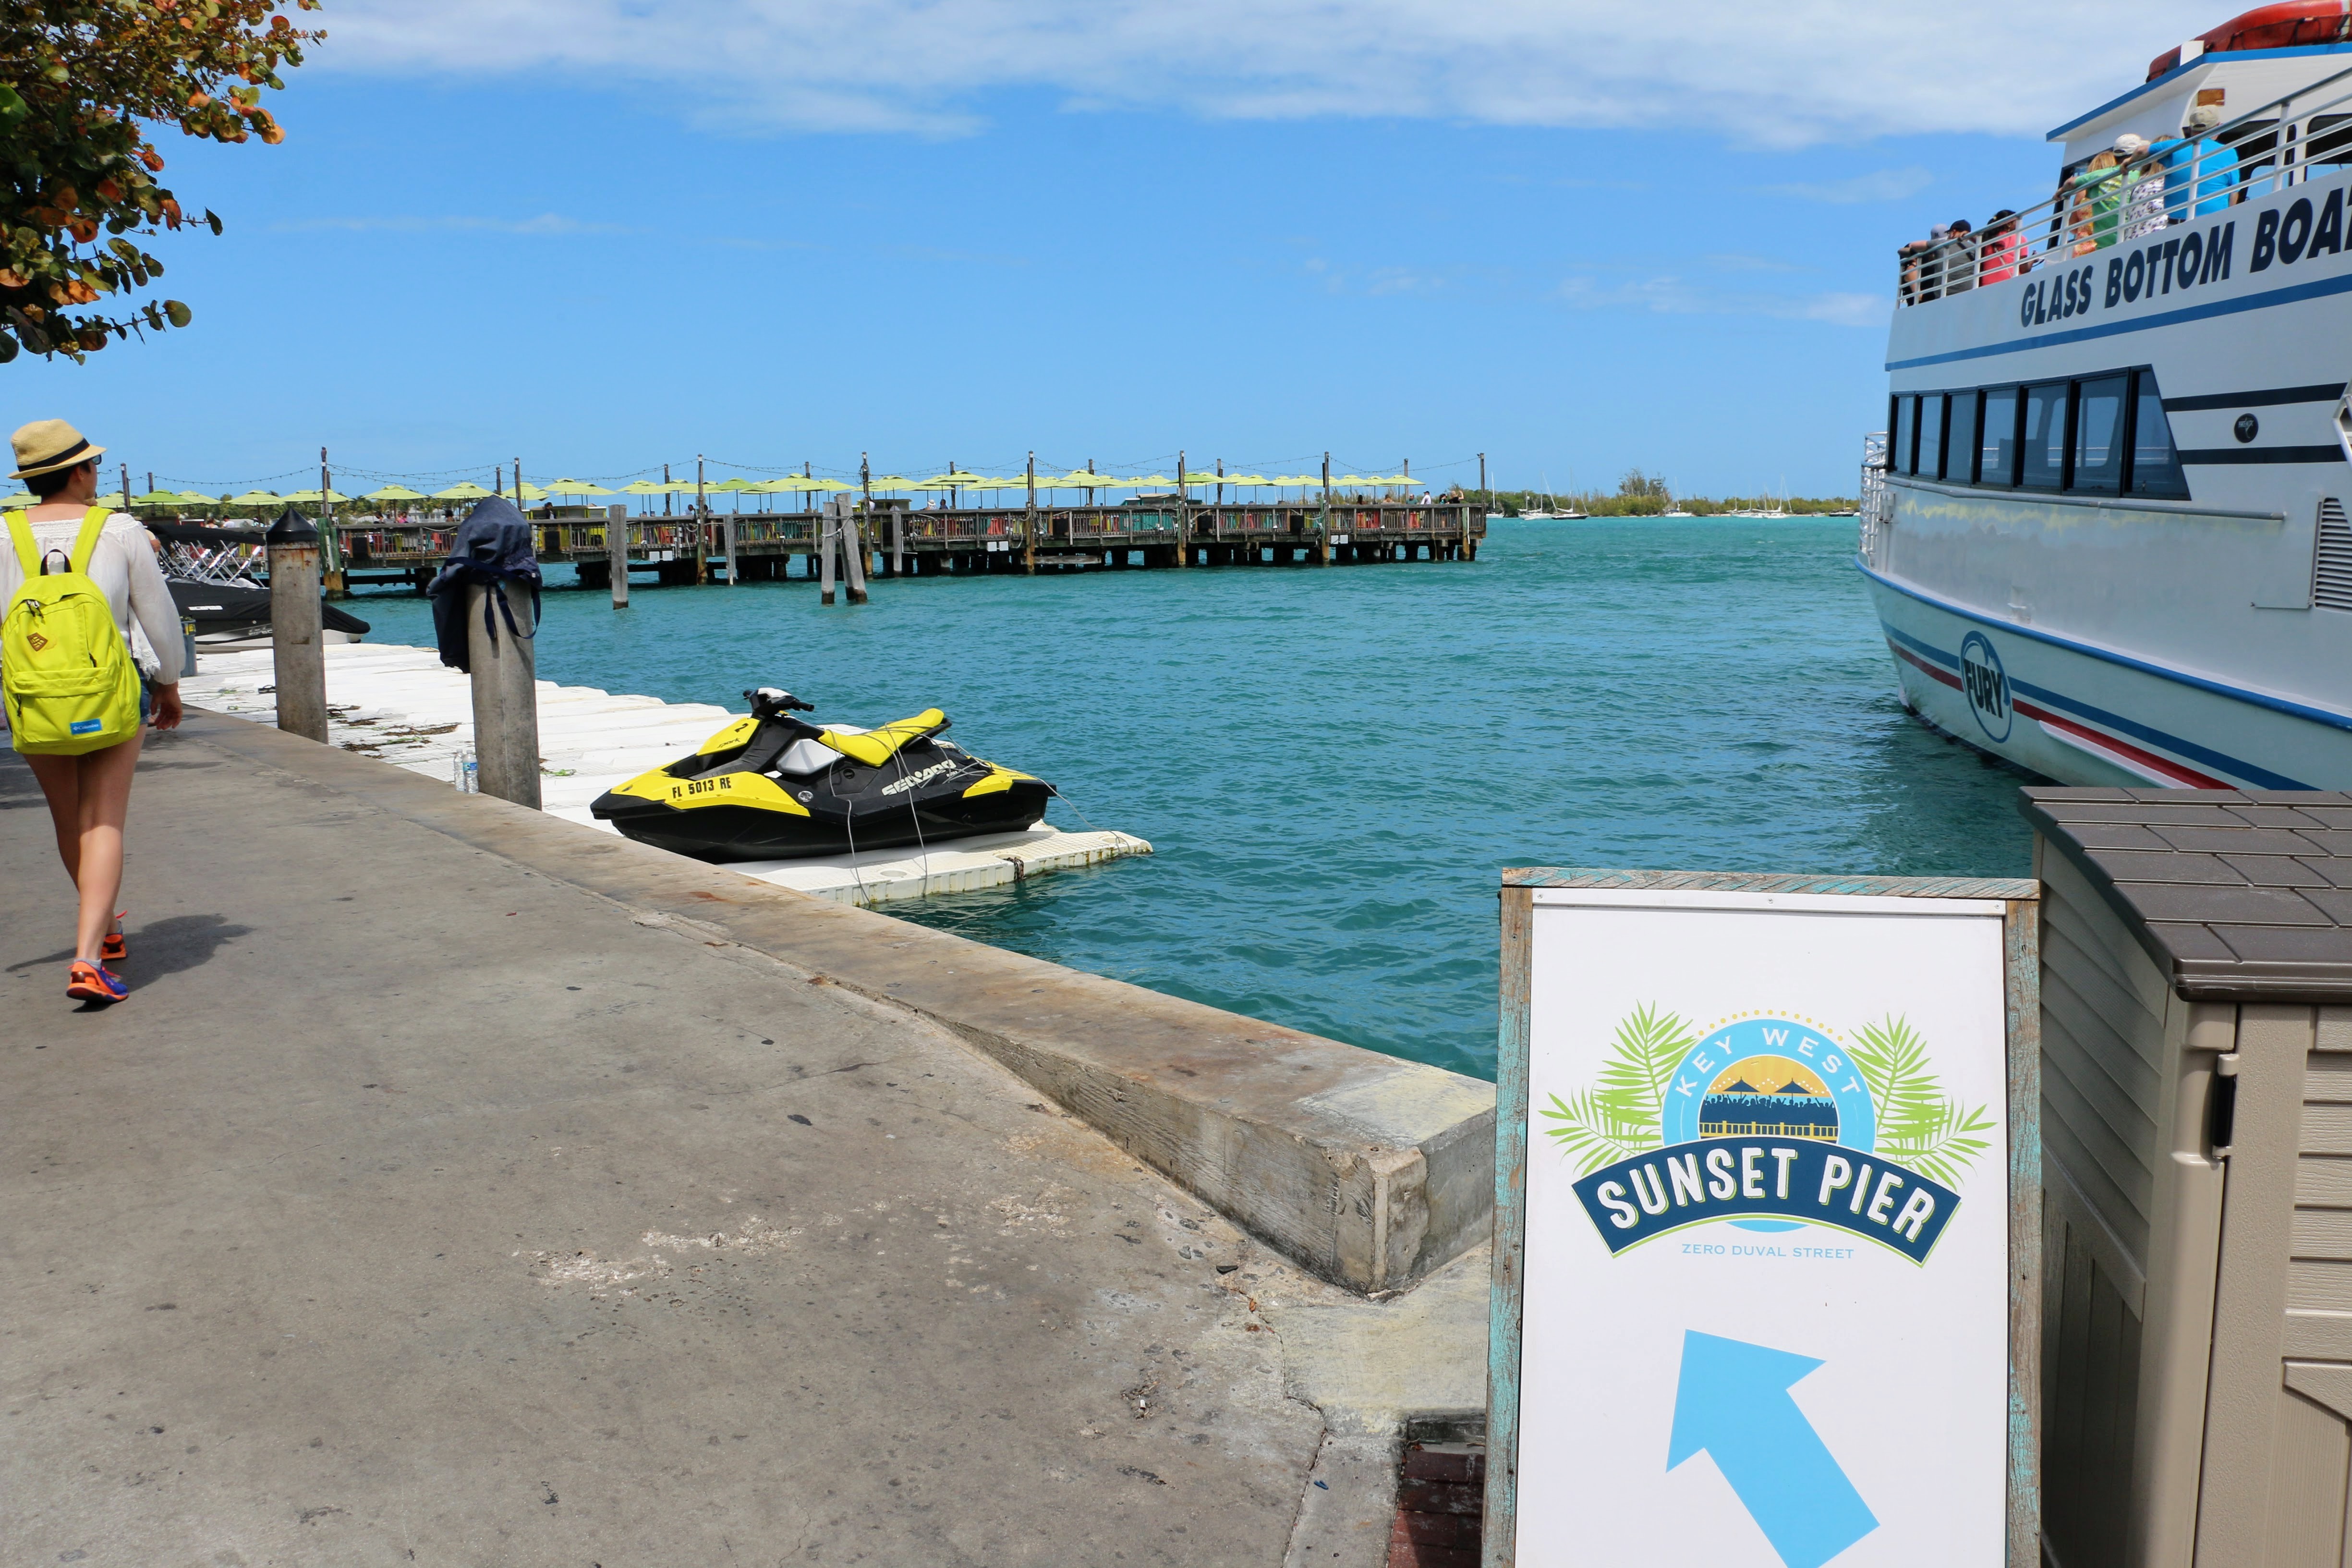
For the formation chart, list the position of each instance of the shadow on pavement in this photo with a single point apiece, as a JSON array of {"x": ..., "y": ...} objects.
[{"x": 159, "y": 948}]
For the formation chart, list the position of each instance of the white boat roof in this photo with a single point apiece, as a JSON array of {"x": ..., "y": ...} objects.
[{"x": 2155, "y": 108}]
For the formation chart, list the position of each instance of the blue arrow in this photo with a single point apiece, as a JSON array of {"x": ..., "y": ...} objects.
[{"x": 1733, "y": 1401}]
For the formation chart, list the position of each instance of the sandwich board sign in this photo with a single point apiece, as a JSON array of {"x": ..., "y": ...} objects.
[{"x": 1766, "y": 1223}]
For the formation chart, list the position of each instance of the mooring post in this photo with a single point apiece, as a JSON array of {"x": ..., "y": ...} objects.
[
  {"x": 897, "y": 542},
  {"x": 506, "y": 693},
  {"x": 1029, "y": 523},
  {"x": 295, "y": 634},
  {"x": 853, "y": 555},
  {"x": 616, "y": 551},
  {"x": 828, "y": 529}
]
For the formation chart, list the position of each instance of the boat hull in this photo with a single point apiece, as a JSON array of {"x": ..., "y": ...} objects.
[{"x": 2082, "y": 714}]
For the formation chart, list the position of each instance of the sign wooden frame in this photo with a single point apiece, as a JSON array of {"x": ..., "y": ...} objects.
[{"x": 2022, "y": 973}]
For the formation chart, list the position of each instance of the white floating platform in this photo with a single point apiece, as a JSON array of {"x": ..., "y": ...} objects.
[{"x": 402, "y": 705}]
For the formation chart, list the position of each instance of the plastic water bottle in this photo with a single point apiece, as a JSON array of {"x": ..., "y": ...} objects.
[{"x": 466, "y": 773}]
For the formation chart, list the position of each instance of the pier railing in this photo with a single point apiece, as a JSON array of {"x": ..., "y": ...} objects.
[
  {"x": 2306, "y": 134},
  {"x": 392, "y": 549}
]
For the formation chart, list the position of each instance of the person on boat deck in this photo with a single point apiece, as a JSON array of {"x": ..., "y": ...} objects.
[
  {"x": 2091, "y": 220},
  {"x": 2002, "y": 249},
  {"x": 2196, "y": 156},
  {"x": 1908, "y": 257},
  {"x": 2142, "y": 187},
  {"x": 1959, "y": 257},
  {"x": 1930, "y": 266}
]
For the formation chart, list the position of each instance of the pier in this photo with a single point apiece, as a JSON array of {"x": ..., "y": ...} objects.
[
  {"x": 902, "y": 541},
  {"x": 459, "y": 1184}
]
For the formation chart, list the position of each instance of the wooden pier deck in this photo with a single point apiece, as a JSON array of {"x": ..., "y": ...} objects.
[{"x": 926, "y": 542}]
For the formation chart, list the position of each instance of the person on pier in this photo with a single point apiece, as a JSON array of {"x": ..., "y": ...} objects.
[{"x": 83, "y": 746}]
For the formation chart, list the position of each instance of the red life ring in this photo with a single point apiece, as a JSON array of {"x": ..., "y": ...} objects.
[{"x": 2293, "y": 25}]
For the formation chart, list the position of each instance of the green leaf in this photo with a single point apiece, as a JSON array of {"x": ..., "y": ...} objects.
[
  {"x": 1918, "y": 1123},
  {"x": 1622, "y": 1113},
  {"x": 177, "y": 314},
  {"x": 12, "y": 110}
]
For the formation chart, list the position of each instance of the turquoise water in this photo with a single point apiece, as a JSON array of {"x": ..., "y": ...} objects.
[{"x": 1333, "y": 765}]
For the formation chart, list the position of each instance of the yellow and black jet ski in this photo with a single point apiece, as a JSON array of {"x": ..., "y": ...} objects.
[{"x": 773, "y": 787}]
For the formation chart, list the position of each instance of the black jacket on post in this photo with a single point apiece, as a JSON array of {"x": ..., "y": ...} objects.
[{"x": 493, "y": 547}]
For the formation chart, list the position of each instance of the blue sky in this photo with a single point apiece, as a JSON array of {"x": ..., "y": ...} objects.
[{"x": 533, "y": 229}]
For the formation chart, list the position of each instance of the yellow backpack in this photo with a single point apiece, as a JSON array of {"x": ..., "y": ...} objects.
[{"x": 64, "y": 671}]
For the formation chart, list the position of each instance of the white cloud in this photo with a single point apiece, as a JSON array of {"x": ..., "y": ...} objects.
[
  {"x": 1667, "y": 295},
  {"x": 1878, "y": 186},
  {"x": 1798, "y": 72}
]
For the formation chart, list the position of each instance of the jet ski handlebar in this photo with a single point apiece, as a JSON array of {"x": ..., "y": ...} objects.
[{"x": 768, "y": 702}]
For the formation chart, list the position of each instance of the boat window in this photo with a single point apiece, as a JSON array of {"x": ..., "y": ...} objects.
[
  {"x": 2256, "y": 146},
  {"x": 1998, "y": 463},
  {"x": 2099, "y": 435},
  {"x": 1960, "y": 445},
  {"x": 2155, "y": 462},
  {"x": 2045, "y": 437},
  {"x": 2327, "y": 146},
  {"x": 1906, "y": 434},
  {"x": 1931, "y": 434}
]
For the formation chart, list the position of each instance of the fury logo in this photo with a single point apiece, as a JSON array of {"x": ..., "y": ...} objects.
[{"x": 1987, "y": 685}]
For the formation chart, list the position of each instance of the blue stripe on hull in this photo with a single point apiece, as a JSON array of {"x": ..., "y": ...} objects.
[{"x": 2180, "y": 746}]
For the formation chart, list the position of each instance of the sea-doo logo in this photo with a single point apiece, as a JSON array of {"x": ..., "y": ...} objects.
[
  {"x": 1769, "y": 1124},
  {"x": 911, "y": 780},
  {"x": 1987, "y": 684}
]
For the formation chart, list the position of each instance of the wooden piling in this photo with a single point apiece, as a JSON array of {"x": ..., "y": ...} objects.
[
  {"x": 296, "y": 635},
  {"x": 852, "y": 556},
  {"x": 828, "y": 530},
  {"x": 506, "y": 693},
  {"x": 616, "y": 551}
]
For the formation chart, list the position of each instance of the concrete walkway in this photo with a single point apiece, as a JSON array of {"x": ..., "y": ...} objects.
[{"x": 423, "y": 1206}]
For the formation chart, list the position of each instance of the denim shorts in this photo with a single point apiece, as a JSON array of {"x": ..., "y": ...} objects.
[{"x": 146, "y": 700}]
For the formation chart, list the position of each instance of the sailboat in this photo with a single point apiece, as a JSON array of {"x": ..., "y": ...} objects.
[{"x": 1542, "y": 513}]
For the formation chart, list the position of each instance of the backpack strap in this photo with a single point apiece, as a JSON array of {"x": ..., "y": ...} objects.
[
  {"x": 86, "y": 543},
  {"x": 20, "y": 534}
]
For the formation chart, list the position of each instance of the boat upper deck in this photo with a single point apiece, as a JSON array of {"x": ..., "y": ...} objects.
[{"x": 2166, "y": 154}]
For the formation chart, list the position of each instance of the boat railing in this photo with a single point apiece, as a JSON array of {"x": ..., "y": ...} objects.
[
  {"x": 2290, "y": 140},
  {"x": 1876, "y": 507}
]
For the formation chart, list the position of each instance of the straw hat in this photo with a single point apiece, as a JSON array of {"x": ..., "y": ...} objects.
[{"x": 48, "y": 444}]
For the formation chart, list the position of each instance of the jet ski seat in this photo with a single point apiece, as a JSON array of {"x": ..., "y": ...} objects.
[{"x": 877, "y": 746}]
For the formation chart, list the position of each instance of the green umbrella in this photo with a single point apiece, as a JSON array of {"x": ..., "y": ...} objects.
[
  {"x": 158, "y": 498},
  {"x": 642, "y": 488},
  {"x": 577, "y": 488},
  {"x": 470, "y": 491},
  {"x": 395, "y": 493},
  {"x": 311, "y": 498},
  {"x": 732, "y": 484}
]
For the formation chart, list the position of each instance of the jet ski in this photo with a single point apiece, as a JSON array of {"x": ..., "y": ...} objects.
[{"x": 773, "y": 787}]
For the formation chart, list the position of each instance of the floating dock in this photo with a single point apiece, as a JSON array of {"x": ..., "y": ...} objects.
[
  {"x": 761, "y": 546},
  {"x": 402, "y": 706}
]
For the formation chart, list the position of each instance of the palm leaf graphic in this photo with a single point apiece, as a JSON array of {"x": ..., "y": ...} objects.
[
  {"x": 1621, "y": 1114},
  {"x": 1918, "y": 1123}
]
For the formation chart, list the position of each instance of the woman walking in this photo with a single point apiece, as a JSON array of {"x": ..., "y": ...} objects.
[{"x": 75, "y": 580}]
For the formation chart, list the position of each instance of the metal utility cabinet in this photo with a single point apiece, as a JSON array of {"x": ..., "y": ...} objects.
[{"x": 2197, "y": 1155}]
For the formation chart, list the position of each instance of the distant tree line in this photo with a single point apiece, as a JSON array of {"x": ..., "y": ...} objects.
[{"x": 1639, "y": 494}]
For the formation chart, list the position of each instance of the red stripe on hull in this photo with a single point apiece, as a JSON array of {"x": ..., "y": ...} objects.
[{"x": 2178, "y": 772}]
